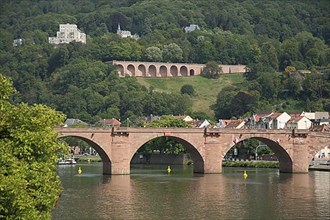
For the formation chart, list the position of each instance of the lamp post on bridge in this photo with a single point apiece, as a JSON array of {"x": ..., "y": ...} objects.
[{"x": 256, "y": 152}]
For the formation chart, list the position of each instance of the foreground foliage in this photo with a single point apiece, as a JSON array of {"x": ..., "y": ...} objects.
[{"x": 29, "y": 185}]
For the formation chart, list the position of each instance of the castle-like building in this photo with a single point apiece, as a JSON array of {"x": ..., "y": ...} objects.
[
  {"x": 67, "y": 34},
  {"x": 125, "y": 34}
]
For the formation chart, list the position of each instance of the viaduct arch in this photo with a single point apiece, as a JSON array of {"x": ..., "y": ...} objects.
[
  {"x": 117, "y": 146},
  {"x": 155, "y": 69}
]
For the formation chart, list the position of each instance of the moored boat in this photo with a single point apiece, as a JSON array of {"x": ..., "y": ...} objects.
[{"x": 66, "y": 161}]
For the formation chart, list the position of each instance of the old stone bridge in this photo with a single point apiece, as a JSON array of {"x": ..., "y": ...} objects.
[
  {"x": 207, "y": 147},
  {"x": 154, "y": 69}
]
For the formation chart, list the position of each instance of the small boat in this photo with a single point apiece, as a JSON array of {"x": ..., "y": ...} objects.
[{"x": 66, "y": 162}]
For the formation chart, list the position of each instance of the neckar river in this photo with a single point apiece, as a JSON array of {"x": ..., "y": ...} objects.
[{"x": 150, "y": 193}]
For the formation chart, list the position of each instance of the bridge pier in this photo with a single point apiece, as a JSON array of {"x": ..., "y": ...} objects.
[
  {"x": 120, "y": 169},
  {"x": 120, "y": 164},
  {"x": 300, "y": 157},
  {"x": 213, "y": 158}
]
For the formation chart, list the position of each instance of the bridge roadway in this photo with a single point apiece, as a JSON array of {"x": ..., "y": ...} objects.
[{"x": 207, "y": 147}]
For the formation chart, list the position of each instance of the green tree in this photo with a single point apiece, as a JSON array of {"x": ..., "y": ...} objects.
[
  {"x": 222, "y": 107},
  {"x": 241, "y": 104},
  {"x": 212, "y": 70},
  {"x": 153, "y": 54},
  {"x": 187, "y": 89},
  {"x": 294, "y": 85},
  {"x": 314, "y": 86},
  {"x": 169, "y": 122},
  {"x": 268, "y": 83},
  {"x": 29, "y": 148},
  {"x": 172, "y": 53}
]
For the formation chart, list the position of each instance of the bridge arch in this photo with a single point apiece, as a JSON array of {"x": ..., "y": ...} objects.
[
  {"x": 191, "y": 72},
  {"x": 284, "y": 158},
  {"x": 121, "y": 70},
  {"x": 142, "y": 70},
  {"x": 131, "y": 70},
  {"x": 152, "y": 71},
  {"x": 183, "y": 71},
  {"x": 174, "y": 70},
  {"x": 106, "y": 160},
  {"x": 195, "y": 154},
  {"x": 163, "y": 71}
]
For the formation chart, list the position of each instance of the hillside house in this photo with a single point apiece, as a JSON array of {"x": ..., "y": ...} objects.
[
  {"x": 280, "y": 120},
  {"x": 204, "y": 124},
  {"x": 191, "y": 28},
  {"x": 236, "y": 124},
  {"x": 300, "y": 122},
  {"x": 74, "y": 122},
  {"x": 67, "y": 34}
]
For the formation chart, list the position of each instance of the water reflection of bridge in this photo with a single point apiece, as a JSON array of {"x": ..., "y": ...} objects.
[{"x": 207, "y": 148}]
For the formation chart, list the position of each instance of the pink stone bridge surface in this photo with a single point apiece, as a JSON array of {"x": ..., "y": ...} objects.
[
  {"x": 207, "y": 148},
  {"x": 154, "y": 69}
]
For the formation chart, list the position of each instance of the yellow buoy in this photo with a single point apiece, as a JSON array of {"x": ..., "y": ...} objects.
[
  {"x": 79, "y": 170},
  {"x": 245, "y": 174},
  {"x": 168, "y": 169}
]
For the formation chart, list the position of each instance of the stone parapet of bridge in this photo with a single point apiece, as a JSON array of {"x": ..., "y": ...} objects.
[{"x": 155, "y": 69}]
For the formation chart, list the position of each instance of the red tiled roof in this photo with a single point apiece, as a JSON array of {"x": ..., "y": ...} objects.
[
  {"x": 112, "y": 121},
  {"x": 258, "y": 116},
  {"x": 294, "y": 119},
  {"x": 234, "y": 124},
  {"x": 276, "y": 115}
]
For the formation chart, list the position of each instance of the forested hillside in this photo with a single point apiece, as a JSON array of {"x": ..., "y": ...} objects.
[{"x": 273, "y": 38}]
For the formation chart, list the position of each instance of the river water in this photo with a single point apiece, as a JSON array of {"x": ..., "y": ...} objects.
[{"x": 150, "y": 193}]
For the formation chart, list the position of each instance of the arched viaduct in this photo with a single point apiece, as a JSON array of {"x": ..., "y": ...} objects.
[
  {"x": 117, "y": 146},
  {"x": 154, "y": 69}
]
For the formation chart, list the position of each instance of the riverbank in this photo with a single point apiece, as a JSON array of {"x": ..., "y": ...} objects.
[
  {"x": 88, "y": 159},
  {"x": 320, "y": 168},
  {"x": 254, "y": 163}
]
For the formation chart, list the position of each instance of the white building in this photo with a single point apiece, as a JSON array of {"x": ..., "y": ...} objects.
[
  {"x": 17, "y": 42},
  {"x": 186, "y": 118},
  {"x": 321, "y": 115},
  {"x": 280, "y": 120},
  {"x": 309, "y": 115},
  {"x": 125, "y": 34},
  {"x": 67, "y": 34},
  {"x": 205, "y": 124},
  {"x": 300, "y": 122},
  {"x": 191, "y": 28}
]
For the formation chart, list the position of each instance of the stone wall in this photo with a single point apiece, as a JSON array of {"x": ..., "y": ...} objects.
[{"x": 155, "y": 69}]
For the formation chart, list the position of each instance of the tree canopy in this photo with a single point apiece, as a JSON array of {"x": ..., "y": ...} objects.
[
  {"x": 266, "y": 36},
  {"x": 29, "y": 148}
]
